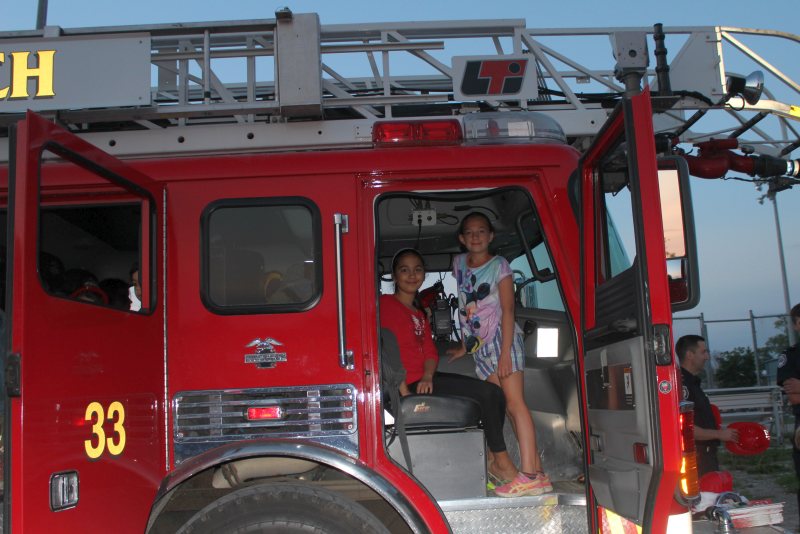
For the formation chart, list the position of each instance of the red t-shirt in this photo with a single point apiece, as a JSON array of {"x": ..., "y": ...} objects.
[{"x": 413, "y": 334}]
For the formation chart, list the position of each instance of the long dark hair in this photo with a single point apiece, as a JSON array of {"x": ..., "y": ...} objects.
[{"x": 403, "y": 252}]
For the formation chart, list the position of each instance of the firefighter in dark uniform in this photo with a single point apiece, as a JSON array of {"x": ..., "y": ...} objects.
[
  {"x": 789, "y": 379},
  {"x": 693, "y": 355}
]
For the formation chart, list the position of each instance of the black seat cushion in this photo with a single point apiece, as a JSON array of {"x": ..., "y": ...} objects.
[
  {"x": 430, "y": 412},
  {"x": 421, "y": 412}
]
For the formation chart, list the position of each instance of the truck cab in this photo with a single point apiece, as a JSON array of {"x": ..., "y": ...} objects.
[
  {"x": 254, "y": 360},
  {"x": 247, "y": 387}
]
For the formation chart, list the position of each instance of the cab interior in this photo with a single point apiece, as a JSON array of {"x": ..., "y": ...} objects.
[{"x": 429, "y": 222}]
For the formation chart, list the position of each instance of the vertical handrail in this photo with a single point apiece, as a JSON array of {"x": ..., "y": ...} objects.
[{"x": 340, "y": 222}]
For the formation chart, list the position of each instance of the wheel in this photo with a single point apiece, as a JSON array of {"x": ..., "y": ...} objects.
[{"x": 285, "y": 508}]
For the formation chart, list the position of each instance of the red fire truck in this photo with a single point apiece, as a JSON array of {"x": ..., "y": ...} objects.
[{"x": 259, "y": 219}]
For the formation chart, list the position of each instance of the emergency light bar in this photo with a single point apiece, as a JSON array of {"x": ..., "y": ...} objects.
[
  {"x": 517, "y": 127},
  {"x": 416, "y": 133}
]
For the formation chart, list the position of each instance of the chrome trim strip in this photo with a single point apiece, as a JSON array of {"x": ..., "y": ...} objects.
[
  {"x": 206, "y": 419},
  {"x": 305, "y": 451},
  {"x": 165, "y": 410},
  {"x": 492, "y": 503}
]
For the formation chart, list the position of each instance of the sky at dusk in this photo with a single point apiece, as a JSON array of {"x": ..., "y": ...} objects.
[{"x": 738, "y": 251}]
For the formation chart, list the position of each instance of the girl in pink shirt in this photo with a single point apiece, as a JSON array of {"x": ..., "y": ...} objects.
[{"x": 490, "y": 334}]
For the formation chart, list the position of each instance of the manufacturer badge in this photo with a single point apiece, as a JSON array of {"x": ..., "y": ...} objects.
[
  {"x": 265, "y": 356},
  {"x": 421, "y": 408},
  {"x": 664, "y": 386}
]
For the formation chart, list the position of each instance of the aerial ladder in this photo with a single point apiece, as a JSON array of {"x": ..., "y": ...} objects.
[
  {"x": 292, "y": 84},
  {"x": 255, "y": 77}
]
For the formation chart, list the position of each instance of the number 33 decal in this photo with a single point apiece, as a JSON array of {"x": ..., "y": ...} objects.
[{"x": 99, "y": 442}]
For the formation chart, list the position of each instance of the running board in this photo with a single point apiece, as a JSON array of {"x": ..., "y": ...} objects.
[{"x": 557, "y": 512}]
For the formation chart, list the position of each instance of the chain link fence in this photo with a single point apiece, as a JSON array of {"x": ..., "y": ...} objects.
[{"x": 765, "y": 335}]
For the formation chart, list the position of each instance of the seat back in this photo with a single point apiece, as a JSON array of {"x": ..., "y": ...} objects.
[{"x": 392, "y": 372}]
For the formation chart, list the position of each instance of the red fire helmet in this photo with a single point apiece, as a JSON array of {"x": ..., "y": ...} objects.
[{"x": 753, "y": 439}]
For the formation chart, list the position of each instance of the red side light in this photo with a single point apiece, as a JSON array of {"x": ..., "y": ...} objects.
[
  {"x": 417, "y": 133},
  {"x": 687, "y": 431},
  {"x": 689, "y": 481},
  {"x": 392, "y": 133},
  {"x": 265, "y": 413},
  {"x": 440, "y": 131},
  {"x": 640, "y": 453}
]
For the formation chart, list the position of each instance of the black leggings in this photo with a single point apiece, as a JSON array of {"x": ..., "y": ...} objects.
[
  {"x": 489, "y": 396},
  {"x": 707, "y": 460}
]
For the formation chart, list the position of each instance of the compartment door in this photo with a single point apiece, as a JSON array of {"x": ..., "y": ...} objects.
[
  {"x": 84, "y": 373},
  {"x": 629, "y": 373}
]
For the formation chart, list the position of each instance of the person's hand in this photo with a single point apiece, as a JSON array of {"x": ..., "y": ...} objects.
[
  {"x": 504, "y": 366},
  {"x": 455, "y": 353},
  {"x": 728, "y": 434},
  {"x": 404, "y": 391},
  {"x": 791, "y": 386},
  {"x": 425, "y": 385}
]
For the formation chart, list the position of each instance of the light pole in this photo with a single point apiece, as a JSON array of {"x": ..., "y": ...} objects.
[
  {"x": 41, "y": 15},
  {"x": 786, "y": 300}
]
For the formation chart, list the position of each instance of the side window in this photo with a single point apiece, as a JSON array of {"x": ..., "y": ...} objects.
[
  {"x": 534, "y": 293},
  {"x": 618, "y": 245},
  {"x": 535, "y": 284},
  {"x": 261, "y": 255},
  {"x": 92, "y": 237},
  {"x": 617, "y": 276}
]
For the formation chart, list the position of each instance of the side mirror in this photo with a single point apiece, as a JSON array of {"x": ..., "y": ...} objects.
[{"x": 679, "y": 238}]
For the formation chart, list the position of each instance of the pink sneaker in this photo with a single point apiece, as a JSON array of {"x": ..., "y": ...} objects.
[
  {"x": 546, "y": 484},
  {"x": 523, "y": 485}
]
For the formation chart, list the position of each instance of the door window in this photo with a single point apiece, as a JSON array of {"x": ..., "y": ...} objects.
[
  {"x": 261, "y": 255},
  {"x": 617, "y": 274},
  {"x": 534, "y": 293},
  {"x": 617, "y": 244},
  {"x": 91, "y": 235}
]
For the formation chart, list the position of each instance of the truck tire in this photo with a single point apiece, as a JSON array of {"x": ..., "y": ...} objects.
[{"x": 285, "y": 508}]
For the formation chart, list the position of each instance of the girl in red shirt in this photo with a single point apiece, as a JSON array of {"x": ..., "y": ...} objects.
[{"x": 401, "y": 315}]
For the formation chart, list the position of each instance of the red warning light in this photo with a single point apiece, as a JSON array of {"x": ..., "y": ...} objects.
[{"x": 264, "y": 413}]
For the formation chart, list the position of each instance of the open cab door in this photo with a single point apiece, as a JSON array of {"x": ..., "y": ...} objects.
[
  {"x": 630, "y": 375},
  {"x": 85, "y": 371}
]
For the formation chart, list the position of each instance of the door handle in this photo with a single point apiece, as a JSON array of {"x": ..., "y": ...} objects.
[
  {"x": 340, "y": 222},
  {"x": 604, "y": 369}
]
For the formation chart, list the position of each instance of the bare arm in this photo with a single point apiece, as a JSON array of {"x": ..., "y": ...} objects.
[
  {"x": 457, "y": 352},
  {"x": 791, "y": 386},
  {"x": 722, "y": 434},
  {"x": 506, "y": 290},
  {"x": 425, "y": 384}
]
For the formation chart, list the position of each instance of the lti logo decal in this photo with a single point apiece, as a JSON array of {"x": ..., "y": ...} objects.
[
  {"x": 493, "y": 77},
  {"x": 264, "y": 354},
  {"x": 20, "y": 68}
]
